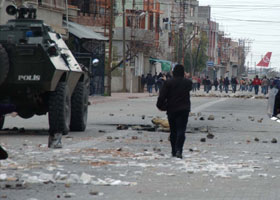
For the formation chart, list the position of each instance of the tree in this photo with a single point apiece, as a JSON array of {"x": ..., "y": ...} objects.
[{"x": 196, "y": 56}]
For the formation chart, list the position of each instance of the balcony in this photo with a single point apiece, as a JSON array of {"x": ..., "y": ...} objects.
[{"x": 51, "y": 4}]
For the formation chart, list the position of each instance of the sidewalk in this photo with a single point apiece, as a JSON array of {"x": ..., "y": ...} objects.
[{"x": 117, "y": 97}]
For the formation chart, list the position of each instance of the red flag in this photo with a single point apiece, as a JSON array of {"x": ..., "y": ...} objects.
[{"x": 265, "y": 61}]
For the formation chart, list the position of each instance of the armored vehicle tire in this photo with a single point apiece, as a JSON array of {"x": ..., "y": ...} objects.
[
  {"x": 79, "y": 108},
  {"x": 2, "y": 120},
  {"x": 4, "y": 64},
  {"x": 59, "y": 109}
]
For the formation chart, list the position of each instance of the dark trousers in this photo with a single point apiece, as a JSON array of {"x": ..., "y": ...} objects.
[
  {"x": 178, "y": 124},
  {"x": 256, "y": 89}
]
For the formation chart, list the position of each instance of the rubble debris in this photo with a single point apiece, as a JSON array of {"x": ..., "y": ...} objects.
[
  {"x": 251, "y": 118},
  {"x": 22, "y": 130},
  {"x": 143, "y": 128},
  {"x": 160, "y": 122},
  {"x": 122, "y": 127},
  {"x": 204, "y": 129},
  {"x": 112, "y": 182},
  {"x": 96, "y": 193},
  {"x": 192, "y": 114},
  {"x": 109, "y": 137},
  {"x": 203, "y": 140},
  {"x": 244, "y": 177},
  {"x": 69, "y": 195},
  {"x": 274, "y": 140},
  {"x": 260, "y": 120},
  {"x": 15, "y": 129},
  {"x": 156, "y": 149},
  {"x": 85, "y": 178},
  {"x": 210, "y": 136},
  {"x": 211, "y": 117},
  {"x": 134, "y": 137},
  {"x": 257, "y": 139}
]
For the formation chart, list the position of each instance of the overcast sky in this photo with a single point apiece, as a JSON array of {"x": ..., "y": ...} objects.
[{"x": 256, "y": 20}]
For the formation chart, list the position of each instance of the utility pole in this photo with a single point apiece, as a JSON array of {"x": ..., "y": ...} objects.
[
  {"x": 124, "y": 54},
  {"x": 110, "y": 46}
]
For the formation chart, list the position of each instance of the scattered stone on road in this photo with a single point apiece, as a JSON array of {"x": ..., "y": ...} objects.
[
  {"x": 210, "y": 136},
  {"x": 211, "y": 117},
  {"x": 274, "y": 140},
  {"x": 203, "y": 140}
]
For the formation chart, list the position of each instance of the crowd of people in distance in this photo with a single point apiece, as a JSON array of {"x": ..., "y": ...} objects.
[
  {"x": 154, "y": 81},
  {"x": 256, "y": 85},
  {"x": 223, "y": 84}
]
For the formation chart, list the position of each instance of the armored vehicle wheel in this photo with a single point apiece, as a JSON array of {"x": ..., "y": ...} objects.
[
  {"x": 2, "y": 120},
  {"x": 4, "y": 64},
  {"x": 79, "y": 105},
  {"x": 60, "y": 109}
]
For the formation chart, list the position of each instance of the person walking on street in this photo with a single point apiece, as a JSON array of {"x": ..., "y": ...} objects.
[
  {"x": 198, "y": 83},
  {"x": 216, "y": 83},
  {"x": 250, "y": 83},
  {"x": 226, "y": 84},
  {"x": 221, "y": 84},
  {"x": 150, "y": 82},
  {"x": 174, "y": 98},
  {"x": 265, "y": 84},
  {"x": 204, "y": 84},
  {"x": 194, "y": 81},
  {"x": 256, "y": 84},
  {"x": 161, "y": 81},
  {"x": 143, "y": 82},
  {"x": 155, "y": 77},
  {"x": 208, "y": 84},
  {"x": 233, "y": 84}
]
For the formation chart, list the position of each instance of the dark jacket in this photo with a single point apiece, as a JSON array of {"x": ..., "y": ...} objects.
[
  {"x": 175, "y": 95},
  {"x": 150, "y": 80}
]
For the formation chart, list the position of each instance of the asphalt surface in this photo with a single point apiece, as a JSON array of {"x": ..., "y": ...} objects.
[{"x": 240, "y": 162}]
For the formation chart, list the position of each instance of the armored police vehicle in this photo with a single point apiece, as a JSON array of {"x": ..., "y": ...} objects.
[{"x": 39, "y": 74}]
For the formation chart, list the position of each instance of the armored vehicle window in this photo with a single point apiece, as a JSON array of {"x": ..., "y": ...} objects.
[{"x": 37, "y": 31}]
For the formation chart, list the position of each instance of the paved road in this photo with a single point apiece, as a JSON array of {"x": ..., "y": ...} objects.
[{"x": 106, "y": 163}]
